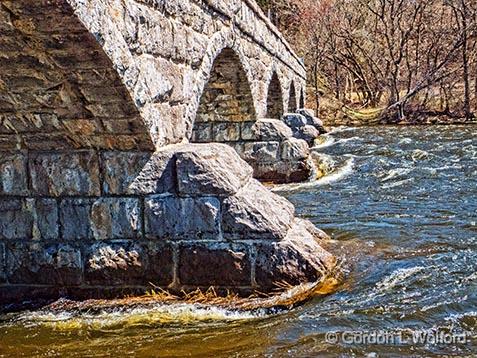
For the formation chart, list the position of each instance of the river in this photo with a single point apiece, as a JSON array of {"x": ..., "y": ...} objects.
[{"x": 401, "y": 206}]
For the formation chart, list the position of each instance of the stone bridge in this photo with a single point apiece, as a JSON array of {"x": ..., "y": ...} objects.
[
  {"x": 127, "y": 75},
  {"x": 98, "y": 186}
]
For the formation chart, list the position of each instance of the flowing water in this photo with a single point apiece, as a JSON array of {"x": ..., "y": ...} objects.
[{"x": 401, "y": 206}]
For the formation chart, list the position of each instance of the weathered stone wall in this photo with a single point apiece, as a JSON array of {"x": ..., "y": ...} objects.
[
  {"x": 57, "y": 86},
  {"x": 183, "y": 39},
  {"x": 92, "y": 223},
  {"x": 89, "y": 70},
  {"x": 90, "y": 200}
]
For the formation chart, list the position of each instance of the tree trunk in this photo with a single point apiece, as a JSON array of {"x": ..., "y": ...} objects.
[{"x": 465, "y": 62}]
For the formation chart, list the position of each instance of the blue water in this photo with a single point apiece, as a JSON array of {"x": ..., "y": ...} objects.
[{"x": 403, "y": 209}]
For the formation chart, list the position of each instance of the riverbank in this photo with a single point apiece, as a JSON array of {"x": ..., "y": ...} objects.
[{"x": 334, "y": 113}]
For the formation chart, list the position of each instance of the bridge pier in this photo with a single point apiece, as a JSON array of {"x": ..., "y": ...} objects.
[
  {"x": 188, "y": 216},
  {"x": 100, "y": 193}
]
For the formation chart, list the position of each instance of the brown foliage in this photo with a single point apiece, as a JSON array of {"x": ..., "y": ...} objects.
[{"x": 407, "y": 57}]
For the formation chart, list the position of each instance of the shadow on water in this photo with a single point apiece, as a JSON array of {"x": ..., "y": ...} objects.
[{"x": 400, "y": 204}]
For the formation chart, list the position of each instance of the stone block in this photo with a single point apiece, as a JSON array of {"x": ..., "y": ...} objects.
[
  {"x": 308, "y": 134},
  {"x": 158, "y": 175},
  {"x": 13, "y": 174},
  {"x": 69, "y": 173},
  {"x": 115, "y": 264},
  {"x": 311, "y": 120},
  {"x": 262, "y": 151},
  {"x": 214, "y": 169},
  {"x": 297, "y": 259},
  {"x": 75, "y": 219},
  {"x": 116, "y": 218},
  {"x": 271, "y": 172},
  {"x": 182, "y": 218},
  {"x": 202, "y": 133},
  {"x": 294, "y": 149},
  {"x": 295, "y": 121},
  {"x": 271, "y": 130},
  {"x": 46, "y": 221},
  {"x": 299, "y": 171},
  {"x": 238, "y": 147},
  {"x": 120, "y": 169},
  {"x": 226, "y": 132},
  {"x": 36, "y": 263},
  {"x": 160, "y": 270},
  {"x": 247, "y": 131},
  {"x": 256, "y": 213},
  {"x": 16, "y": 219},
  {"x": 214, "y": 264}
]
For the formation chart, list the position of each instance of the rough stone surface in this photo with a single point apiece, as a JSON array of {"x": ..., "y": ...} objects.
[
  {"x": 215, "y": 169},
  {"x": 75, "y": 219},
  {"x": 16, "y": 219},
  {"x": 13, "y": 174},
  {"x": 158, "y": 175},
  {"x": 262, "y": 151},
  {"x": 295, "y": 121},
  {"x": 121, "y": 169},
  {"x": 294, "y": 149},
  {"x": 65, "y": 173},
  {"x": 271, "y": 129},
  {"x": 284, "y": 171},
  {"x": 160, "y": 269},
  {"x": 297, "y": 259},
  {"x": 219, "y": 264},
  {"x": 35, "y": 263},
  {"x": 117, "y": 263},
  {"x": 182, "y": 218},
  {"x": 116, "y": 218},
  {"x": 299, "y": 171},
  {"x": 312, "y": 120},
  {"x": 46, "y": 218},
  {"x": 307, "y": 133},
  {"x": 256, "y": 213}
]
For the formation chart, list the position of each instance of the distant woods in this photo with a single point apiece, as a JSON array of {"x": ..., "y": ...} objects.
[{"x": 406, "y": 60}]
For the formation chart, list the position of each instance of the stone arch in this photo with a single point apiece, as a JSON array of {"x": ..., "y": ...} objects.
[
  {"x": 219, "y": 41},
  {"x": 275, "y": 98},
  {"x": 59, "y": 89},
  {"x": 302, "y": 98},
  {"x": 226, "y": 102},
  {"x": 292, "y": 105}
]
